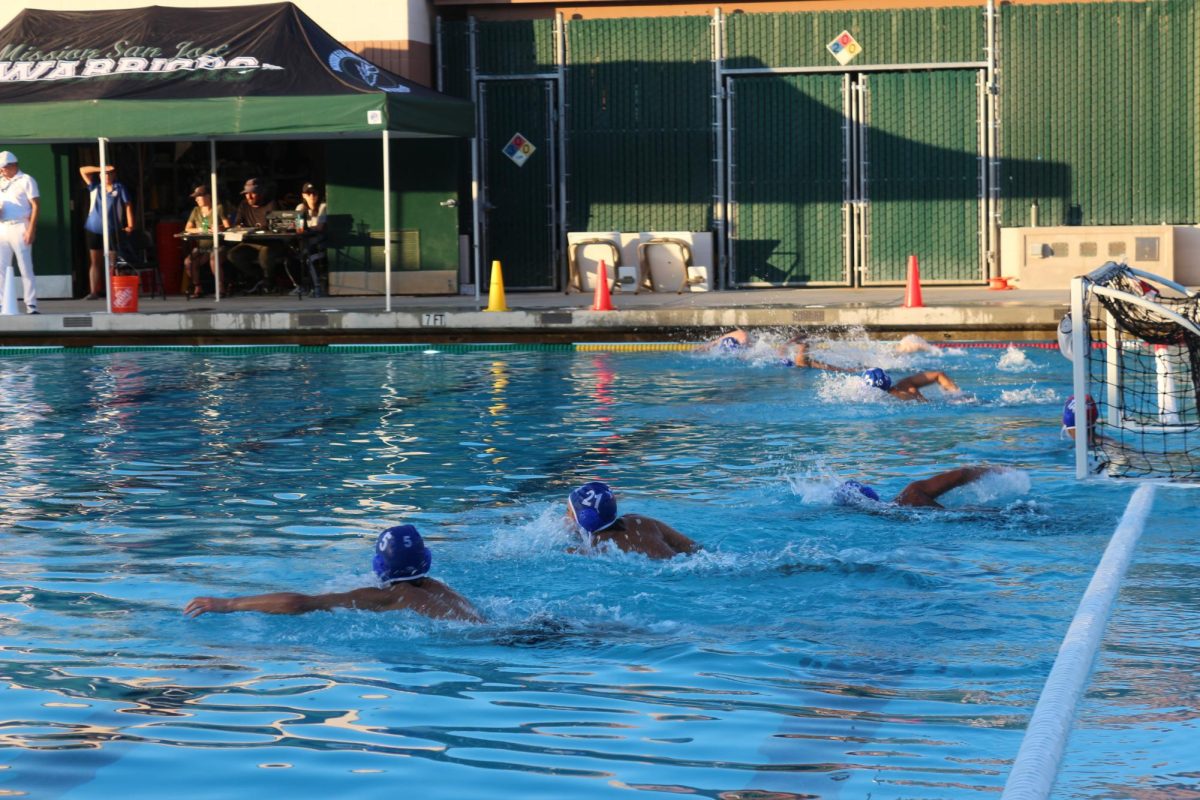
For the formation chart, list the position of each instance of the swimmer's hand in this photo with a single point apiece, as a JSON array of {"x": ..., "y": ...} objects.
[{"x": 200, "y": 605}]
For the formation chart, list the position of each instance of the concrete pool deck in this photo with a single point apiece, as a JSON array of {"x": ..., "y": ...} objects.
[{"x": 960, "y": 312}]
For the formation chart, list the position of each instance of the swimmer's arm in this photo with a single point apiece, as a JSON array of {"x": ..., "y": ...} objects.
[
  {"x": 285, "y": 602},
  {"x": 938, "y": 485},
  {"x": 801, "y": 359},
  {"x": 677, "y": 540}
]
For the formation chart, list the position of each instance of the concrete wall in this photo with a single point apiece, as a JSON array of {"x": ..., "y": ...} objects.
[{"x": 1047, "y": 258}]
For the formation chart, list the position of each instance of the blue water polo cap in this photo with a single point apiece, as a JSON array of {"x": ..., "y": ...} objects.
[
  {"x": 1068, "y": 417},
  {"x": 401, "y": 555},
  {"x": 730, "y": 343},
  {"x": 853, "y": 492},
  {"x": 878, "y": 378},
  {"x": 594, "y": 506}
]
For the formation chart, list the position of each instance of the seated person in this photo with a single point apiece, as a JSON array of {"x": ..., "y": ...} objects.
[
  {"x": 256, "y": 260},
  {"x": 313, "y": 212},
  {"x": 199, "y": 260},
  {"x": 593, "y": 510}
]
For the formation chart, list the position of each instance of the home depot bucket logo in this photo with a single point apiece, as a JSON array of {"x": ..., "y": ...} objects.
[
  {"x": 844, "y": 48},
  {"x": 125, "y": 297}
]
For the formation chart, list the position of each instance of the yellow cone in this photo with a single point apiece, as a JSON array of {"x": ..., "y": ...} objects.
[{"x": 496, "y": 293}]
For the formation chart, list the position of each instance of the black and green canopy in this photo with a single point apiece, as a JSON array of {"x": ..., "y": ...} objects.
[{"x": 259, "y": 72}]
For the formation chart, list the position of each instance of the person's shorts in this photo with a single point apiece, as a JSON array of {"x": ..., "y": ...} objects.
[{"x": 96, "y": 242}]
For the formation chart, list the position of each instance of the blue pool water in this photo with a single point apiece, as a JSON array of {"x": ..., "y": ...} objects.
[{"x": 811, "y": 650}]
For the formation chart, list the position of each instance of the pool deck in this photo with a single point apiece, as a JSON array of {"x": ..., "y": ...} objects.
[{"x": 959, "y": 313}]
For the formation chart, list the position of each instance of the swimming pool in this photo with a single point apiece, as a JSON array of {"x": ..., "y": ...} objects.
[{"x": 812, "y": 650}]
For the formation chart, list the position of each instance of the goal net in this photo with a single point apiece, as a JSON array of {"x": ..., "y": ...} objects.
[{"x": 1137, "y": 358}]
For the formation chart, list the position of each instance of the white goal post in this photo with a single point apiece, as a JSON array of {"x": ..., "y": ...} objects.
[{"x": 1134, "y": 341}]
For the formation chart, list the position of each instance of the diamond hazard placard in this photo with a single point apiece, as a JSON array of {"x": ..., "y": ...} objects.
[
  {"x": 519, "y": 149},
  {"x": 844, "y": 48}
]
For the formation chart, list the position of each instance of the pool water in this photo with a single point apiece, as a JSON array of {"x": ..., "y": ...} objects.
[{"x": 811, "y": 650}]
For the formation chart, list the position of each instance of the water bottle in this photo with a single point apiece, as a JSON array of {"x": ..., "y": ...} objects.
[{"x": 204, "y": 224}]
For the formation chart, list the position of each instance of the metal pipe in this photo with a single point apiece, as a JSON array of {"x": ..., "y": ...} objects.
[
  {"x": 476, "y": 178},
  {"x": 560, "y": 54},
  {"x": 1081, "y": 352},
  {"x": 387, "y": 220},
  {"x": 720, "y": 213},
  {"x": 103, "y": 190},
  {"x": 216, "y": 223},
  {"x": 992, "y": 144}
]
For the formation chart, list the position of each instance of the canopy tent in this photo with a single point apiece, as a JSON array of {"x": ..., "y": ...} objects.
[
  {"x": 177, "y": 74},
  {"x": 265, "y": 71}
]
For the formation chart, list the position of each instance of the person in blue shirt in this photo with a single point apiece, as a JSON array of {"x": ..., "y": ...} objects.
[{"x": 120, "y": 219}]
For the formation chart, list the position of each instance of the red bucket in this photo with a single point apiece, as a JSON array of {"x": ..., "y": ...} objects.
[{"x": 124, "y": 294}]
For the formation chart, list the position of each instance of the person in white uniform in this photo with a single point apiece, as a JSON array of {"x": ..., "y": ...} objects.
[{"x": 19, "y": 206}]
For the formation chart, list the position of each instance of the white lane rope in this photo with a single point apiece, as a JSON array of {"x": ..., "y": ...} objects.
[{"x": 1036, "y": 767}]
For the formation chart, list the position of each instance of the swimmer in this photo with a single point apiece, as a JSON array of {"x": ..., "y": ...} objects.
[
  {"x": 915, "y": 344},
  {"x": 918, "y": 494},
  {"x": 736, "y": 339},
  {"x": 592, "y": 508},
  {"x": 1068, "y": 417},
  {"x": 402, "y": 563},
  {"x": 907, "y": 388}
]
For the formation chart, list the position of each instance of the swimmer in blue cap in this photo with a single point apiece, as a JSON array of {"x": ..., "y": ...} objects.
[
  {"x": 918, "y": 494},
  {"x": 1068, "y": 417},
  {"x": 592, "y": 508},
  {"x": 908, "y": 388},
  {"x": 402, "y": 564}
]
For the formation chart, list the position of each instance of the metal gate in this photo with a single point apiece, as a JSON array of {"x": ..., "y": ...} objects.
[
  {"x": 518, "y": 154},
  {"x": 922, "y": 176},
  {"x": 836, "y": 178},
  {"x": 787, "y": 180}
]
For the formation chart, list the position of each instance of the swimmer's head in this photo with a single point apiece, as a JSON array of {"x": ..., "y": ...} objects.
[
  {"x": 852, "y": 492},
  {"x": 878, "y": 378},
  {"x": 730, "y": 343},
  {"x": 593, "y": 506},
  {"x": 1068, "y": 415},
  {"x": 401, "y": 555}
]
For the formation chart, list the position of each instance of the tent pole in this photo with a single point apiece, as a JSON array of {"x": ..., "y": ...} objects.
[
  {"x": 216, "y": 223},
  {"x": 387, "y": 221},
  {"x": 103, "y": 190}
]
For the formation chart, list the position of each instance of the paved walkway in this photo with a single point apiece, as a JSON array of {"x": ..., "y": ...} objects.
[{"x": 948, "y": 312}]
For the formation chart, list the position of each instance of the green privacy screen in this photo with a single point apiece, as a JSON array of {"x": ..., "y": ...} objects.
[
  {"x": 786, "y": 187},
  {"x": 640, "y": 125},
  {"x": 923, "y": 176},
  {"x": 913, "y": 36},
  {"x": 1099, "y": 113}
]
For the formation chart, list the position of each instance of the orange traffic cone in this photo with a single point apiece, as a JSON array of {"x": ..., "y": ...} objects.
[
  {"x": 912, "y": 294},
  {"x": 602, "y": 300}
]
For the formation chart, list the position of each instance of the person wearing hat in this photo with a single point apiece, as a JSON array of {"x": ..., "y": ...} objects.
[
  {"x": 908, "y": 388},
  {"x": 312, "y": 208},
  {"x": 918, "y": 494},
  {"x": 401, "y": 563},
  {"x": 200, "y": 221},
  {"x": 19, "y": 207},
  {"x": 592, "y": 508},
  {"x": 256, "y": 260},
  {"x": 119, "y": 208}
]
